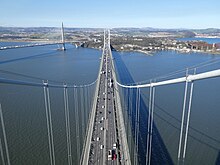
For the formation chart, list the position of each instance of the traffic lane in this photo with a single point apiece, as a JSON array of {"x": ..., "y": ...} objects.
[
  {"x": 102, "y": 97},
  {"x": 112, "y": 135},
  {"x": 98, "y": 126},
  {"x": 100, "y": 136},
  {"x": 96, "y": 133},
  {"x": 114, "y": 118},
  {"x": 112, "y": 127},
  {"x": 103, "y": 91}
]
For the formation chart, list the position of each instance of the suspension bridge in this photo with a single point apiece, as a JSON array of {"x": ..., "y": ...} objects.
[{"x": 107, "y": 118}]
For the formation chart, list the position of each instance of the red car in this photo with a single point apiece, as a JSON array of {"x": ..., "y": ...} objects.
[{"x": 114, "y": 156}]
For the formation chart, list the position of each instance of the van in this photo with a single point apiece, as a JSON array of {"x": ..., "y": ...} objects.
[{"x": 109, "y": 154}]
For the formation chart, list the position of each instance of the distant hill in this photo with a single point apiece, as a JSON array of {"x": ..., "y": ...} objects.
[
  {"x": 207, "y": 31},
  {"x": 44, "y": 29},
  {"x": 146, "y": 31}
]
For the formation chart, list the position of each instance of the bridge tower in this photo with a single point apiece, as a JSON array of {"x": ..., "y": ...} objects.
[{"x": 63, "y": 39}]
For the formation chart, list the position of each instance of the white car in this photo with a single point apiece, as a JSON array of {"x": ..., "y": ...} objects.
[
  {"x": 101, "y": 146},
  {"x": 114, "y": 146}
]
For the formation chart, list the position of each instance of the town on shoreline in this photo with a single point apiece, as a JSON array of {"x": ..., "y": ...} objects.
[{"x": 143, "y": 40}]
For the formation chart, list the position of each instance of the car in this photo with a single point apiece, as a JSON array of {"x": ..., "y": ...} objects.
[
  {"x": 114, "y": 156},
  {"x": 110, "y": 85},
  {"x": 102, "y": 128},
  {"x": 98, "y": 138},
  {"x": 109, "y": 154},
  {"x": 102, "y": 118},
  {"x": 101, "y": 146},
  {"x": 114, "y": 146}
]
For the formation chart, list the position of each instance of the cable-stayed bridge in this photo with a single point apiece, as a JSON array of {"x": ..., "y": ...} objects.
[
  {"x": 62, "y": 43},
  {"x": 107, "y": 118}
]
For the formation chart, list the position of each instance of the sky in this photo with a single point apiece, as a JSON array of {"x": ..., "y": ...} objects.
[{"x": 192, "y": 14}]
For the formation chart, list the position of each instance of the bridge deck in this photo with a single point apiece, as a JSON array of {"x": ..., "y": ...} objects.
[
  {"x": 28, "y": 45},
  {"x": 103, "y": 133}
]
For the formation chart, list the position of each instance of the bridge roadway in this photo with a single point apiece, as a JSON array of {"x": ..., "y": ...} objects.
[
  {"x": 103, "y": 126},
  {"x": 104, "y": 130},
  {"x": 29, "y": 45}
]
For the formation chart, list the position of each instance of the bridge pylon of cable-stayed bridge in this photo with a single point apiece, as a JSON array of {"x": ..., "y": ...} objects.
[
  {"x": 63, "y": 39},
  {"x": 106, "y": 141}
]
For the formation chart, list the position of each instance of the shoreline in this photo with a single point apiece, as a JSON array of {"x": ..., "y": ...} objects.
[{"x": 149, "y": 53}]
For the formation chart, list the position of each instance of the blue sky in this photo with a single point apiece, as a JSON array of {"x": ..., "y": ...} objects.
[{"x": 111, "y": 13}]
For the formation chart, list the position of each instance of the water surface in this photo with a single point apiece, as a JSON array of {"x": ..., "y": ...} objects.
[{"x": 24, "y": 111}]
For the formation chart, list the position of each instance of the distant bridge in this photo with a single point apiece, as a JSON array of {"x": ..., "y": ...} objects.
[
  {"x": 36, "y": 44},
  {"x": 62, "y": 42},
  {"x": 29, "y": 45}
]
